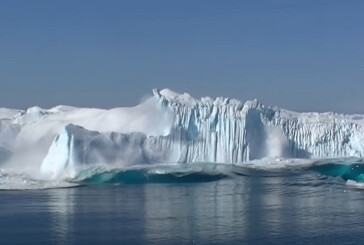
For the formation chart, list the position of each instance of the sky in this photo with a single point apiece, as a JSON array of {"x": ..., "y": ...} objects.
[{"x": 300, "y": 55}]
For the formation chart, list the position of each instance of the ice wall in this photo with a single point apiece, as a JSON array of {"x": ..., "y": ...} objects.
[
  {"x": 221, "y": 130},
  {"x": 172, "y": 127},
  {"x": 228, "y": 130}
]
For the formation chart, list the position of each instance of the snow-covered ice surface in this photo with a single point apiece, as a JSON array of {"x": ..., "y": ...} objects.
[{"x": 59, "y": 143}]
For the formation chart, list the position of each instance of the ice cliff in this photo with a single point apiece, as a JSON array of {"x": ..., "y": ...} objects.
[
  {"x": 228, "y": 130},
  {"x": 221, "y": 130},
  {"x": 172, "y": 127}
]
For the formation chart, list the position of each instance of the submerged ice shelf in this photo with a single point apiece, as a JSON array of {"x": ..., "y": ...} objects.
[{"x": 175, "y": 128}]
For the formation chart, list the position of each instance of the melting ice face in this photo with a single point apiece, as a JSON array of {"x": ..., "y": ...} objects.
[{"x": 61, "y": 142}]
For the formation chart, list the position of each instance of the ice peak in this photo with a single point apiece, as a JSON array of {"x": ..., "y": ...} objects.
[
  {"x": 167, "y": 96},
  {"x": 168, "y": 93},
  {"x": 35, "y": 109}
]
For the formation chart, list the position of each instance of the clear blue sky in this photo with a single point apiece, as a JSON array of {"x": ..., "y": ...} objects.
[{"x": 301, "y": 55}]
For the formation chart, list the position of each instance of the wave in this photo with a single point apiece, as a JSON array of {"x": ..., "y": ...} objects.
[
  {"x": 347, "y": 170},
  {"x": 171, "y": 173},
  {"x": 350, "y": 170}
]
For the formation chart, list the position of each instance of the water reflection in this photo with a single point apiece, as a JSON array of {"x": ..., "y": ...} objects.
[
  {"x": 194, "y": 213},
  {"x": 61, "y": 206},
  {"x": 233, "y": 211}
]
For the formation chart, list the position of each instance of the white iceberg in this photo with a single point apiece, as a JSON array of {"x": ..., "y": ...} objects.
[{"x": 172, "y": 127}]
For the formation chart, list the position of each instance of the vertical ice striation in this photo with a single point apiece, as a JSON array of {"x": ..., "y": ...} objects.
[
  {"x": 323, "y": 135},
  {"x": 172, "y": 127},
  {"x": 221, "y": 130},
  {"x": 228, "y": 130}
]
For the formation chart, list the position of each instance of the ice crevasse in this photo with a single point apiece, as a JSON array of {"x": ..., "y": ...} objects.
[{"x": 218, "y": 130}]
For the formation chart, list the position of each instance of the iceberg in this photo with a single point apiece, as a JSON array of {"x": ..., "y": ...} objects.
[{"x": 174, "y": 128}]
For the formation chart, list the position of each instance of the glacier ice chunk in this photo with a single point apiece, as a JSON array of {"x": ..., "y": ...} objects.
[
  {"x": 173, "y": 127},
  {"x": 221, "y": 130}
]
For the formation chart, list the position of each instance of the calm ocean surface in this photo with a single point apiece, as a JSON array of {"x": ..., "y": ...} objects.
[{"x": 296, "y": 209}]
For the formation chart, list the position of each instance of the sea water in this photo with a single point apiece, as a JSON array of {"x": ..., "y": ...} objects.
[{"x": 302, "y": 208}]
